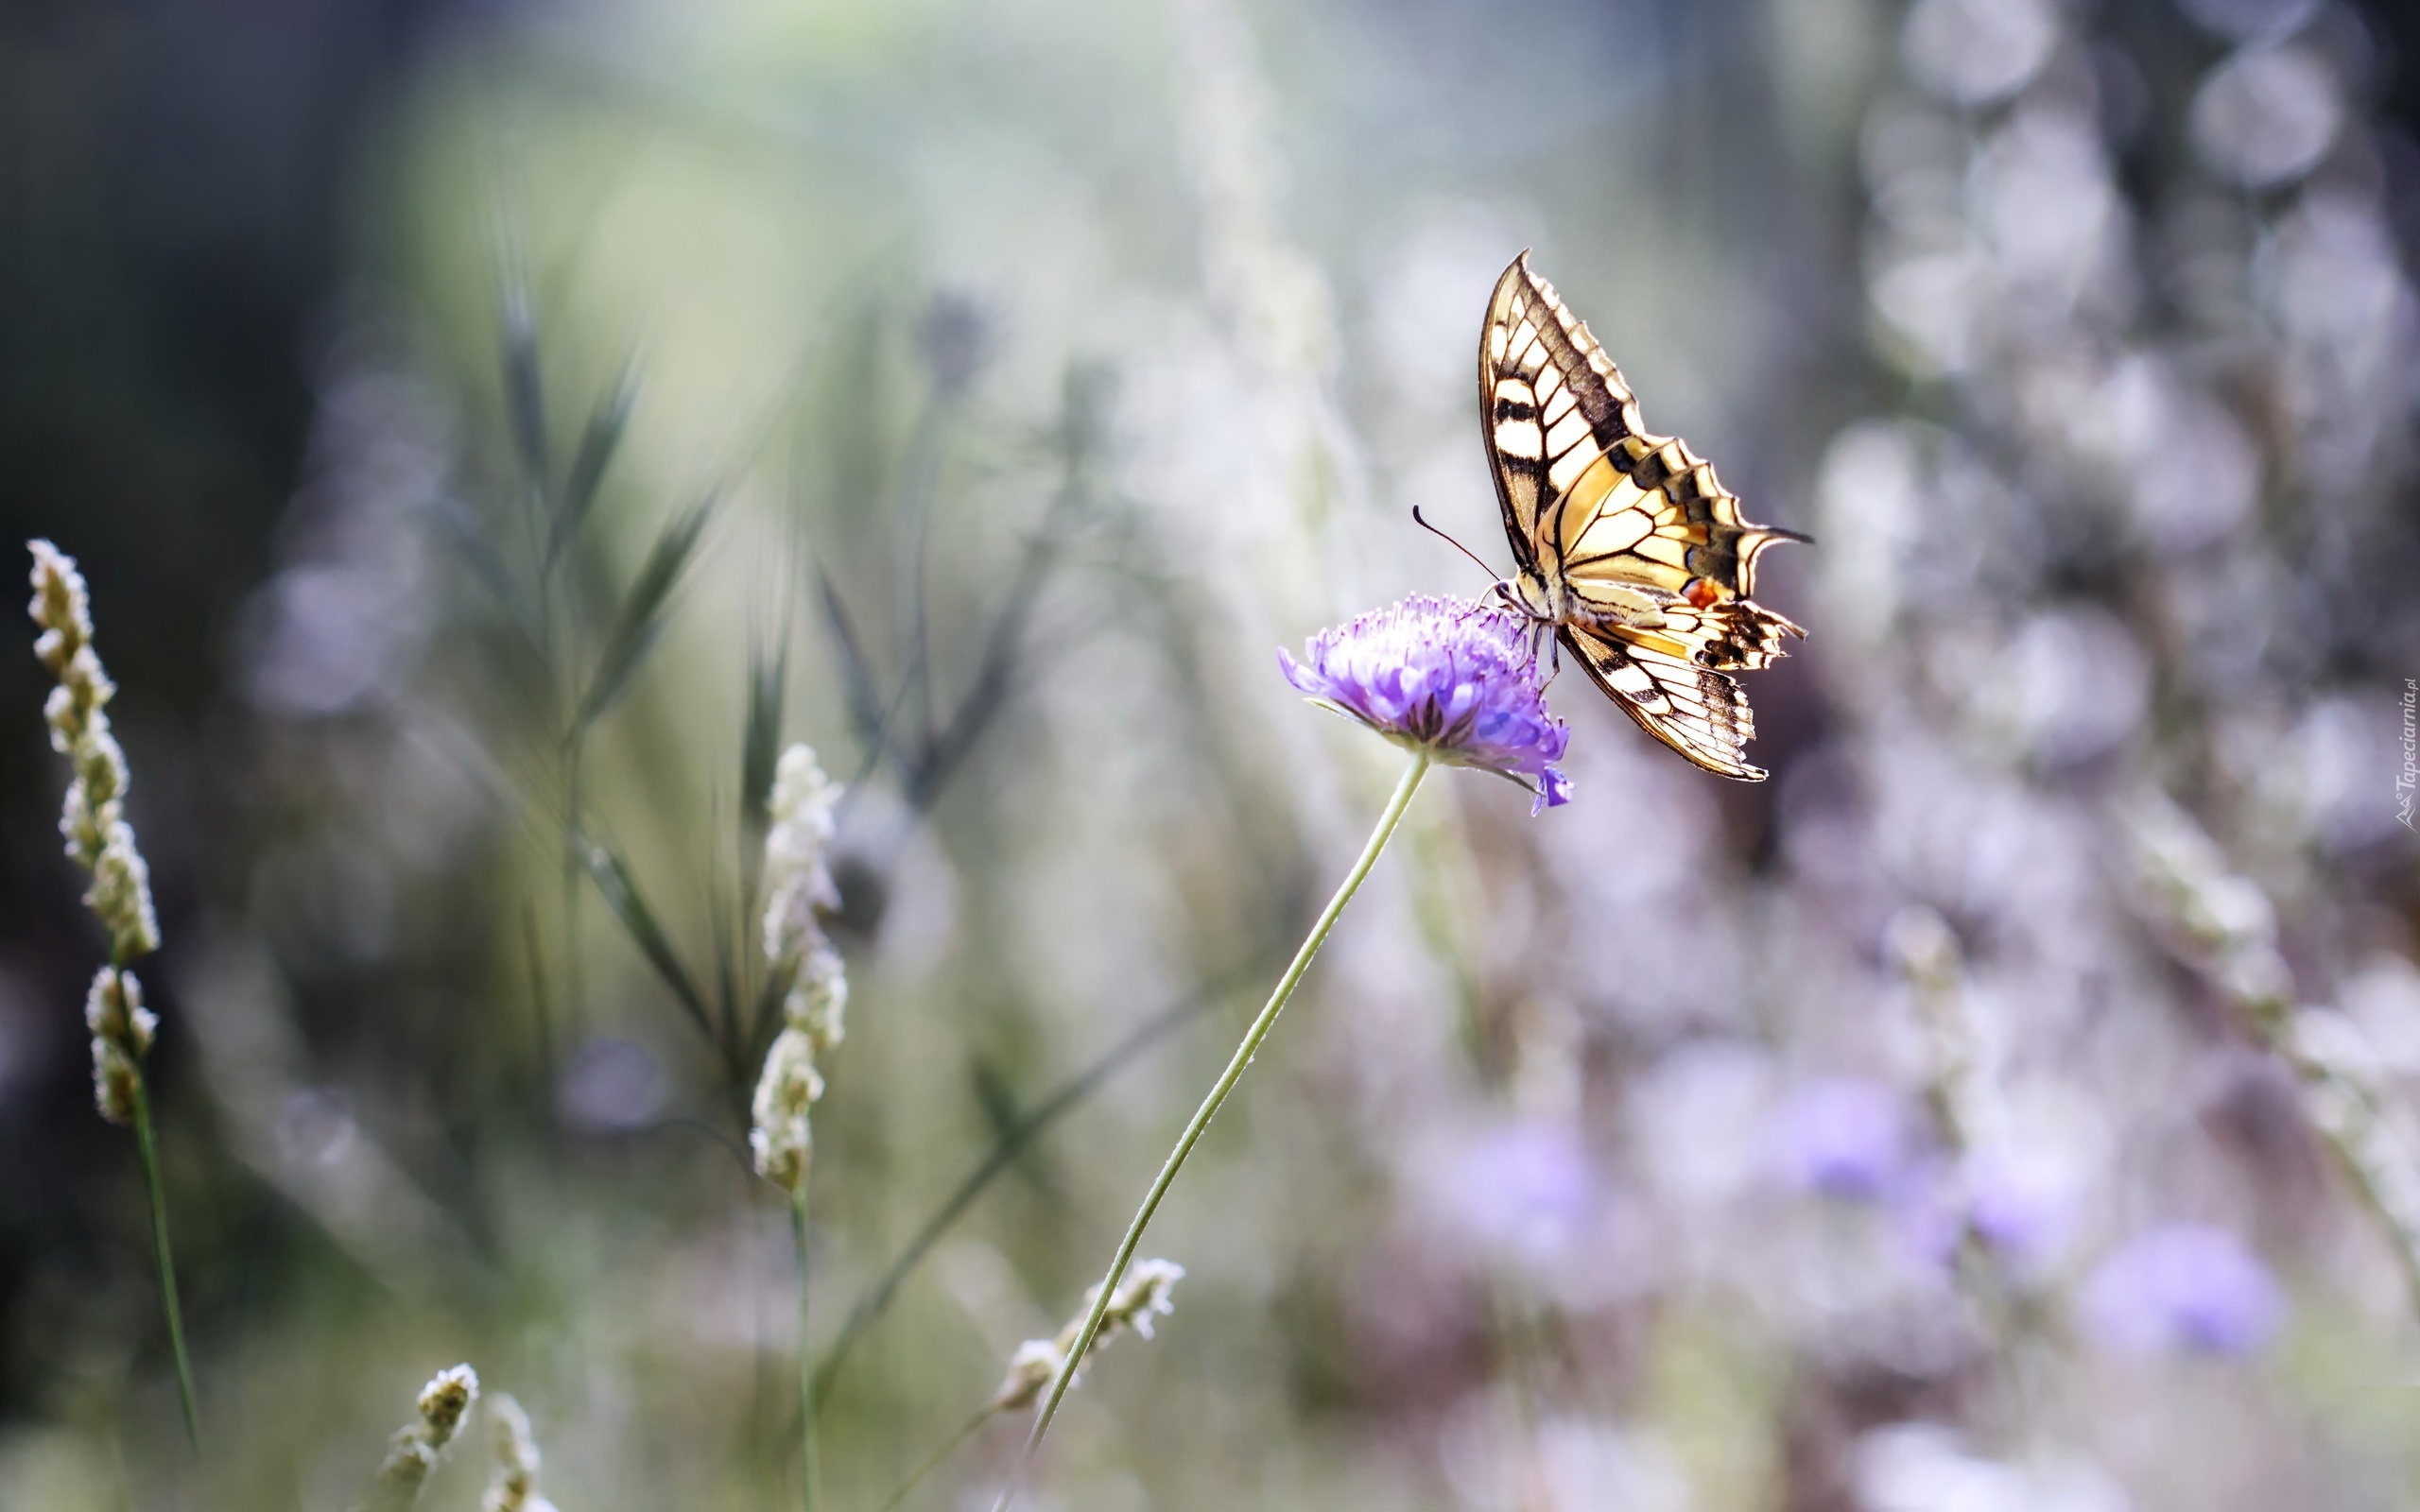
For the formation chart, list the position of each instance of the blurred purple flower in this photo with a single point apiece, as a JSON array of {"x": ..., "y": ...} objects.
[
  {"x": 1445, "y": 676},
  {"x": 2022, "y": 1208},
  {"x": 2182, "y": 1287},
  {"x": 1843, "y": 1137},
  {"x": 1527, "y": 1185}
]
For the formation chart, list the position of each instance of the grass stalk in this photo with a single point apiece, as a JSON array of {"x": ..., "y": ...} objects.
[
  {"x": 164, "y": 1254},
  {"x": 940, "y": 1453},
  {"x": 1011, "y": 1142},
  {"x": 1404, "y": 789},
  {"x": 805, "y": 1356}
]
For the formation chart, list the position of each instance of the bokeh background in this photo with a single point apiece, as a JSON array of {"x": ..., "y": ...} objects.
[{"x": 1006, "y": 382}]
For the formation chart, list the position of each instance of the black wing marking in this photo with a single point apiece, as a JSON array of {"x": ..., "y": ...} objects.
[
  {"x": 1550, "y": 403},
  {"x": 1697, "y": 711}
]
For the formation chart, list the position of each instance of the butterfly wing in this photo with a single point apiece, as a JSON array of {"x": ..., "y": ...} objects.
[
  {"x": 1551, "y": 401},
  {"x": 1699, "y": 712},
  {"x": 1651, "y": 561},
  {"x": 1635, "y": 527}
]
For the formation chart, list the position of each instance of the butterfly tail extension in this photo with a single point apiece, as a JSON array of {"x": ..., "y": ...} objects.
[{"x": 1752, "y": 543}]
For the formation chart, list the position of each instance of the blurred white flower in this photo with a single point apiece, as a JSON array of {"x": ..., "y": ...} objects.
[
  {"x": 2047, "y": 206},
  {"x": 1494, "y": 1456},
  {"x": 1694, "y": 1118},
  {"x": 2196, "y": 474},
  {"x": 2383, "y": 995},
  {"x": 1934, "y": 303},
  {"x": 1975, "y": 52},
  {"x": 2267, "y": 115},
  {"x": 1924, "y": 1467},
  {"x": 2072, "y": 684}
]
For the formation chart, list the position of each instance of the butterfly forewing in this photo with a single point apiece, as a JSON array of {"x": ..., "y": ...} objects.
[
  {"x": 1650, "y": 560},
  {"x": 1553, "y": 403}
]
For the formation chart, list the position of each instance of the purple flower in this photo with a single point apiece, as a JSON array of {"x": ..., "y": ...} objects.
[
  {"x": 1527, "y": 1187},
  {"x": 1445, "y": 676},
  {"x": 2182, "y": 1287},
  {"x": 1843, "y": 1137},
  {"x": 2022, "y": 1208}
]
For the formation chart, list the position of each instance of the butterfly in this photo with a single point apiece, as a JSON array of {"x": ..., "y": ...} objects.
[{"x": 1628, "y": 552}]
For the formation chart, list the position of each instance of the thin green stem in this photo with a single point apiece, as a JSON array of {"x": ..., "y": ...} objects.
[
  {"x": 805, "y": 1358},
  {"x": 1209, "y": 1110},
  {"x": 1004, "y": 1151},
  {"x": 941, "y": 1453},
  {"x": 150, "y": 1145}
]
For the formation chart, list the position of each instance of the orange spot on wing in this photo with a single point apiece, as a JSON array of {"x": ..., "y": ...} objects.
[{"x": 1701, "y": 593}]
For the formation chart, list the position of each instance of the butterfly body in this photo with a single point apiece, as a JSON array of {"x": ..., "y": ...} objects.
[{"x": 1627, "y": 549}]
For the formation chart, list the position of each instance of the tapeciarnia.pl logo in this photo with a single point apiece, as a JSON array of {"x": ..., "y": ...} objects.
[{"x": 2407, "y": 779}]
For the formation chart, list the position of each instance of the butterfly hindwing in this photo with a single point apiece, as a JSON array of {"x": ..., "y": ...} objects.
[{"x": 1699, "y": 712}]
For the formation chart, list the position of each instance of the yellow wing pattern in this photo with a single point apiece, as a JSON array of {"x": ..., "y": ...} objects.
[
  {"x": 1651, "y": 562},
  {"x": 1703, "y": 714}
]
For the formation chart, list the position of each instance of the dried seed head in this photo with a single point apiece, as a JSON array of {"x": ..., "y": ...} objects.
[
  {"x": 819, "y": 999},
  {"x": 1142, "y": 1294},
  {"x": 797, "y": 849},
  {"x": 91, "y": 818},
  {"x": 59, "y": 604},
  {"x": 512, "y": 1487},
  {"x": 121, "y": 894},
  {"x": 782, "y": 1139},
  {"x": 444, "y": 1400},
  {"x": 417, "y": 1447}
]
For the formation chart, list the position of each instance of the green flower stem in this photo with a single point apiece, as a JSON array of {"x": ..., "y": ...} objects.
[
  {"x": 805, "y": 1358},
  {"x": 940, "y": 1452},
  {"x": 150, "y": 1147},
  {"x": 1210, "y": 1104}
]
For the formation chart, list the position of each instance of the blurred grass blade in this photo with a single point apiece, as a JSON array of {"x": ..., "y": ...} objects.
[
  {"x": 525, "y": 395},
  {"x": 856, "y": 673},
  {"x": 764, "y": 1020},
  {"x": 613, "y": 878},
  {"x": 640, "y": 619},
  {"x": 496, "y": 578},
  {"x": 761, "y": 739},
  {"x": 732, "y": 1040},
  {"x": 1011, "y": 1142},
  {"x": 588, "y": 464}
]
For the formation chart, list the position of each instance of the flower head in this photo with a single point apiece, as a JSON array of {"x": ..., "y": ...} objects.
[
  {"x": 799, "y": 889},
  {"x": 122, "y": 1033},
  {"x": 783, "y": 1140},
  {"x": 512, "y": 1484},
  {"x": 2182, "y": 1287},
  {"x": 798, "y": 846},
  {"x": 1527, "y": 1188},
  {"x": 1445, "y": 675},
  {"x": 417, "y": 1447},
  {"x": 1843, "y": 1137},
  {"x": 1142, "y": 1294}
]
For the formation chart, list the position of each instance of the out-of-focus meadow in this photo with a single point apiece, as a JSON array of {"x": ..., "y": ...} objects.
[{"x": 491, "y": 432}]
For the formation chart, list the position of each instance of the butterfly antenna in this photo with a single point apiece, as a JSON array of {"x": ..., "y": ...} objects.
[{"x": 1467, "y": 551}]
